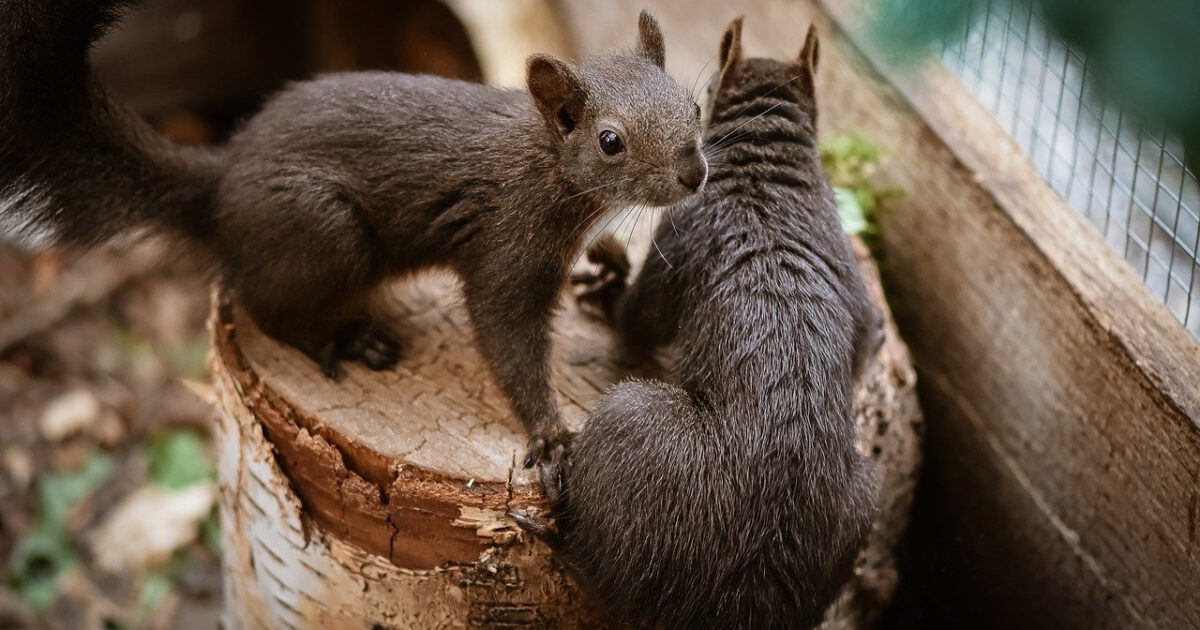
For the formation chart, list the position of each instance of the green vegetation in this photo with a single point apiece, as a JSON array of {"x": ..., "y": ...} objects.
[
  {"x": 850, "y": 161},
  {"x": 179, "y": 459},
  {"x": 45, "y": 553}
]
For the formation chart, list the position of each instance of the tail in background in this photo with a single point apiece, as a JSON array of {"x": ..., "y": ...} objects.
[{"x": 76, "y": 167}]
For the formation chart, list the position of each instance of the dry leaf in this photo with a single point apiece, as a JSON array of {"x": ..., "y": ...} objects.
[
  {"x": 150, "y": 524},
  {"x": 68, "y": 414}
]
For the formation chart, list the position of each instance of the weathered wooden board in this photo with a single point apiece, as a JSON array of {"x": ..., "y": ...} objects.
[{"x": 1065, "y": 457}]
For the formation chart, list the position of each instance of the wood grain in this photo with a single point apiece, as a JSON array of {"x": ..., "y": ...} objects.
[
  {"x": 417, "y": 466},
  {"x": 1084, "y": 389}
]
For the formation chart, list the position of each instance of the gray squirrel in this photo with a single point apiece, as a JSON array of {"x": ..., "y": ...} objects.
[
  {"x": 735, "y": 496},
  {"x": 346, "y": 181}
]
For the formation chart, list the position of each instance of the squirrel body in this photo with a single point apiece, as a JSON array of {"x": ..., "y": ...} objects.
[
  {"x": 346, "y": 181},
  {"x": 733, "y": 496}
]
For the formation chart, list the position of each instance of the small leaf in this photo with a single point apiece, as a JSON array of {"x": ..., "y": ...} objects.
[
  {"x": 179, "y": 459},
  {"x": 59, "y": 492},
  {"x": 37, "y": 562},
  {"x": 850, "y": 212},
  {"x": 154, "y": 589}
]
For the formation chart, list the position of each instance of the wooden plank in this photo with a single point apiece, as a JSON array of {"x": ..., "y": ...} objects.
[{"x": 1066, "y": 397}]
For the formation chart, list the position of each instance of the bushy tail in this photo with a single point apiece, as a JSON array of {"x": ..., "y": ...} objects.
[
  {"x": 76, "y": 167},
  {"x": 671, "y": 521}
]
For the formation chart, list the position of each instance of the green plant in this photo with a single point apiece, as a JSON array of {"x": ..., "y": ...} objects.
[
  {"x": 851, "y": 160},
  {"x": 45, "y": 552}
]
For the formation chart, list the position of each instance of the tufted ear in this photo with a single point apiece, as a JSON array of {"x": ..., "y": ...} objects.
[
  {"x": 731, "y": 52},
  {"x": 807, "y": 59},
  {"x": 650, "y": 39},
  {"x": 557, "y": 92}
]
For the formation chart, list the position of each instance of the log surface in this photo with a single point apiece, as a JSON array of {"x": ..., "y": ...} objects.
[{"x": 412, "y": 471}]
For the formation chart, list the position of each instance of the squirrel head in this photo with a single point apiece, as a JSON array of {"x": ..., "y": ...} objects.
[
  {"x": 627, "y": 130},
  {"x": 793, "y": 80}
]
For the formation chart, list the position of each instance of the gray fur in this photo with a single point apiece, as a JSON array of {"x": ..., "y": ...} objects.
[
  {"x": 733, "y": 497},
  {"x": 16, "y": 223},
  {"x": 349, "y": 180}
]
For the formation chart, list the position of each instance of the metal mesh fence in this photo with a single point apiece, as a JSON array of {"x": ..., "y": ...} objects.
[{"x": 1131, "y": 183}]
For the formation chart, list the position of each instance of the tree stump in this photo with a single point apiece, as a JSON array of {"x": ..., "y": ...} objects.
[{"x": 380, "y": 501}]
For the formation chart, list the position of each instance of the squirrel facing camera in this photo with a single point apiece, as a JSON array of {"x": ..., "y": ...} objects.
[
  {"x": 625, "y": 127},
  {"x": 351, "y": 180}
]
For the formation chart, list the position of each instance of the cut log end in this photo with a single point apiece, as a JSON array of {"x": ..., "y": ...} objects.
[{"x": 382, "y": 500}]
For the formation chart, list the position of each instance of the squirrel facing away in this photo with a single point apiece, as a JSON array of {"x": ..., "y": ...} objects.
[
  {"x": 348, "y": 180},
  {"x": 735, "y": 496}
]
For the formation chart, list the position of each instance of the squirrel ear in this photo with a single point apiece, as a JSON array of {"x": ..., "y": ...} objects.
[
  {"x": 557, "y": 92},
  {"x": 731, "y": 51},
  {"x": 809, "y": 54},
  {"x": 650, "y": 39}
]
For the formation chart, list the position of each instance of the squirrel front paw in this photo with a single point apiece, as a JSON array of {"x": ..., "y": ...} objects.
[
  {"x": 601, "y": 288},
  {"x": 550, "y": 451},
  {"x": 548, "y": 446}
]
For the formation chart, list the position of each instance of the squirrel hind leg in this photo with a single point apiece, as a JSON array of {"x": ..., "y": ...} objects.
[
  {"x": 368, "y": 343},
  {"x": 330, "y": 335}
]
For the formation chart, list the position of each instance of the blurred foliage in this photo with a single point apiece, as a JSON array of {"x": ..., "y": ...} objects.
[
  {"x": 145, "y": 357},
  {"x": 182, "y": 458},
  {"x": 850, "y": 161},
  {"x": 1143, "y": 54},
  {"x": 178, "y": 459},
  {"x": 45, "y": 552}
]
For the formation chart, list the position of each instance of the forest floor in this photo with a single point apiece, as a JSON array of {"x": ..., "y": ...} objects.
[{"x": 107, "y": 483}]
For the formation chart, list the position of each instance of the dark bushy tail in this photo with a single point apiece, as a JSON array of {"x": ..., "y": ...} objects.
[{"x": 76, "y": 167}]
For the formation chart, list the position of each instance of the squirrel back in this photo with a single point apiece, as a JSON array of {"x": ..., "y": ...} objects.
[{"x": 734, "y": 496}]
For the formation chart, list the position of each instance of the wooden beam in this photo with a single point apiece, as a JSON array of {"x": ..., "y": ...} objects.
[{"x": 1064, "y": 449}]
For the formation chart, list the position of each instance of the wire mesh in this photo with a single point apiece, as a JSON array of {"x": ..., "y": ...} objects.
[{"x": 1130, "y": 182}]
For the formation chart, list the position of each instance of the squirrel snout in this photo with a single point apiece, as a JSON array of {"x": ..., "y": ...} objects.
[{"x": 692, "y": 175}]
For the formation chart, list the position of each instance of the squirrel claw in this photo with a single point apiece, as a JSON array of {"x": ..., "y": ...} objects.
[
  {"x": 369, "y": 344},
  {"x": 537, "y": 526},
  {"x": 602, "y": 287},
  {"x": 327, "y": 358},
  {"x": 552, "y": 475},
  {"x": 548, "y": 446}
]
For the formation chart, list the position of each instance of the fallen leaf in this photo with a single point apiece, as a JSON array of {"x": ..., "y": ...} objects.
[
  {"x": 850, "y": 211},
  {"x": 19, "y": 466},
  {"x": 68, "y": 414},
  {"x": 150, "y": 524},
  {"x": 178, "y": 459}
]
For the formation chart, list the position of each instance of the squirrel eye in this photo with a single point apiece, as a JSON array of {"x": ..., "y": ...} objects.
[
  {"x": 697, "y": 106},
  {"x": 610, "y": 142}
]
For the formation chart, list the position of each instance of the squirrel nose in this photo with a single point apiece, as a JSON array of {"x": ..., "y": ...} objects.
[{"x": 692, "y": 175}]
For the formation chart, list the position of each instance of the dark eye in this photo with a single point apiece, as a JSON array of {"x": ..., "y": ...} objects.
[
  {"x": 697, "y": 106},
  {"x": 610, "y": 142}
]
